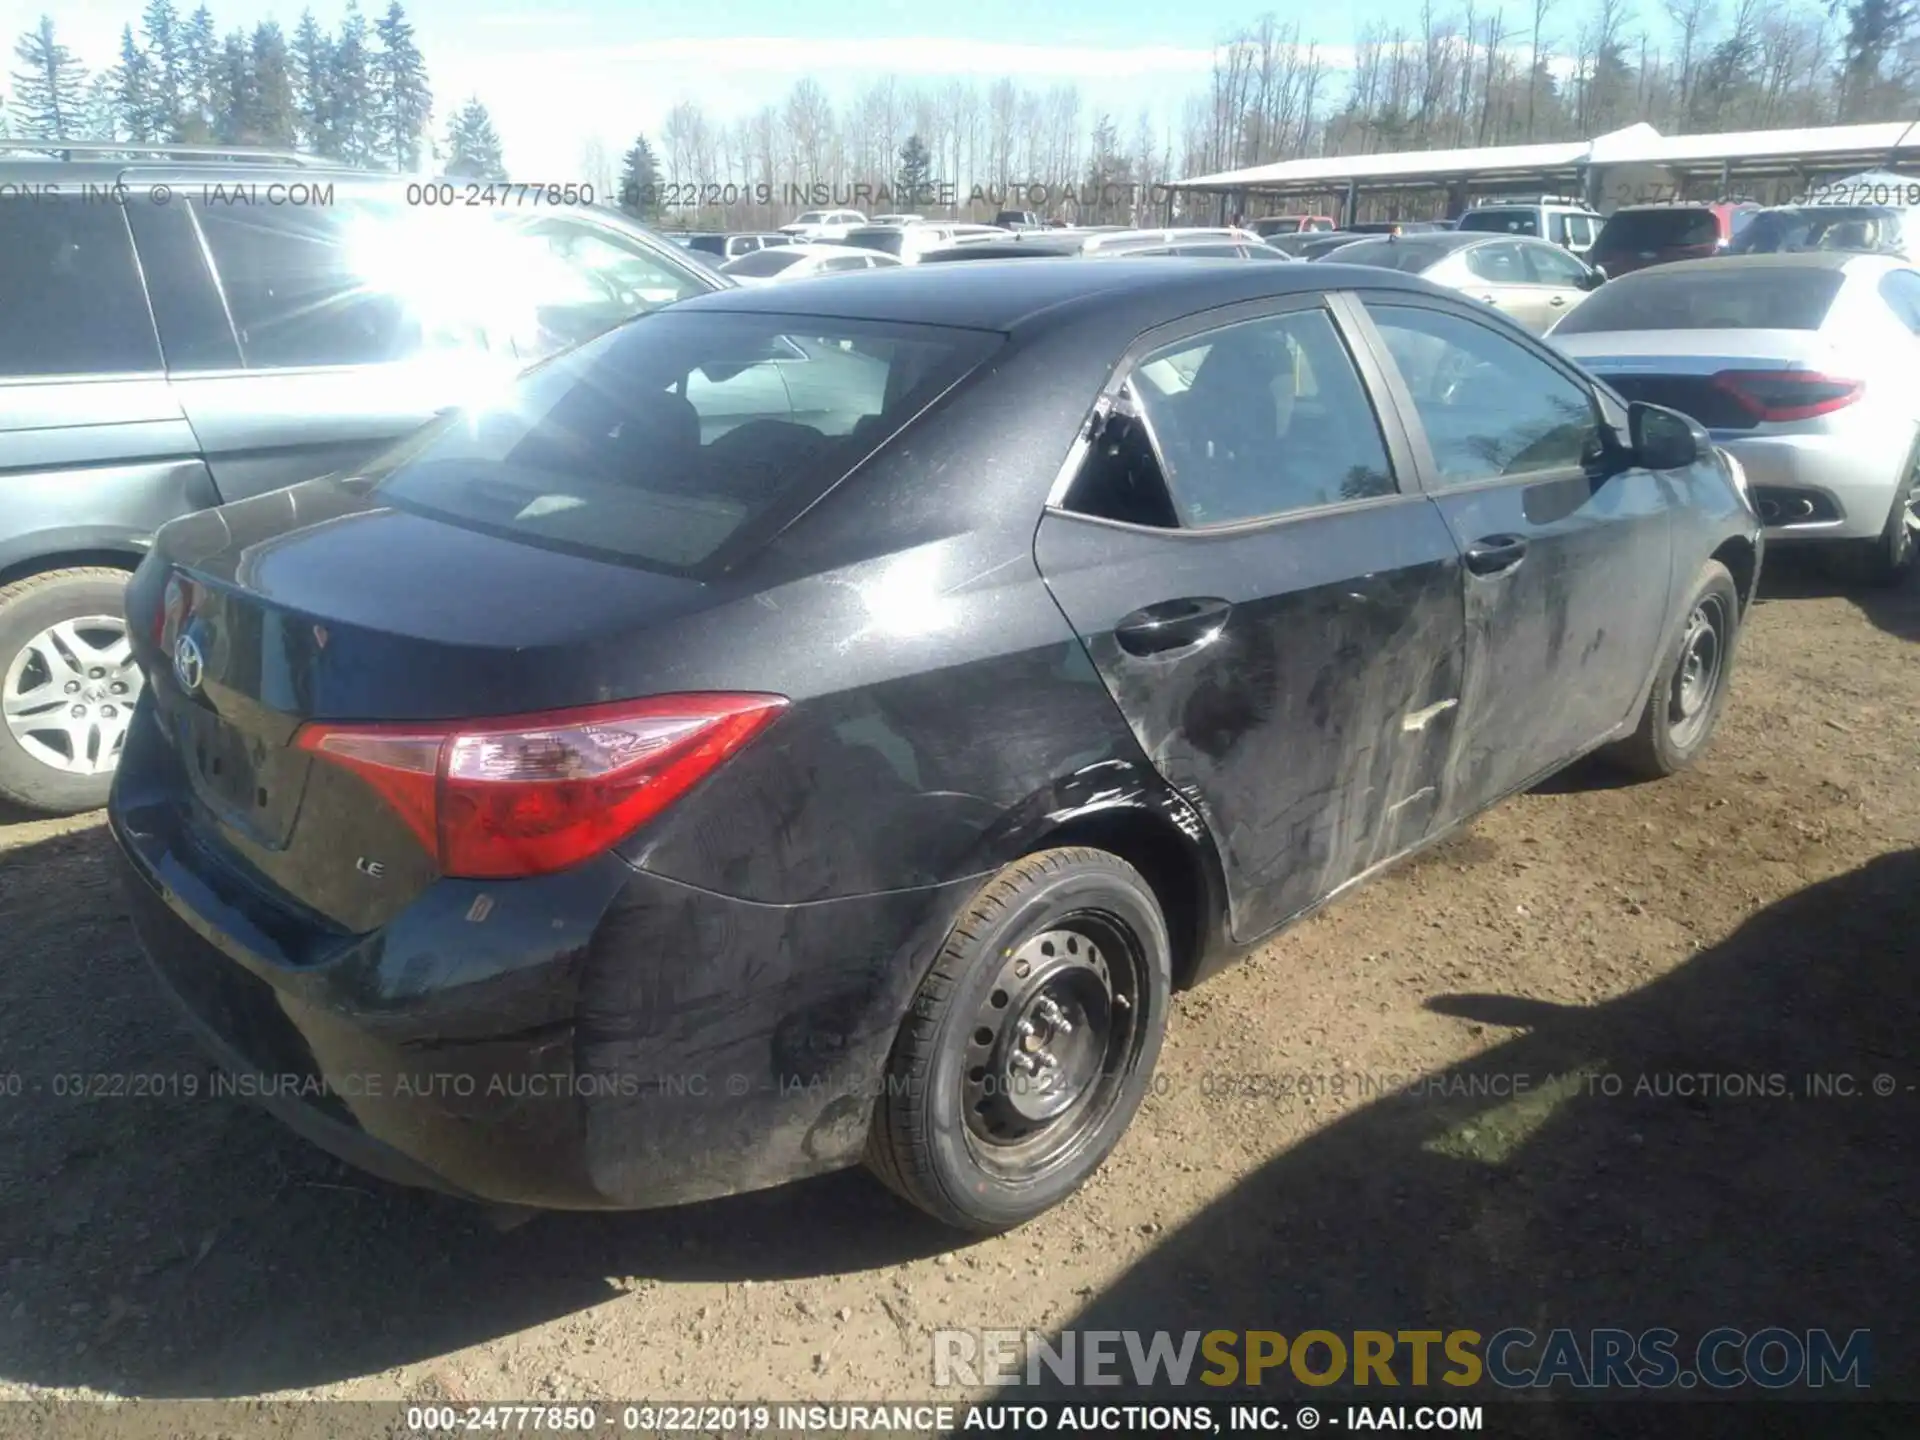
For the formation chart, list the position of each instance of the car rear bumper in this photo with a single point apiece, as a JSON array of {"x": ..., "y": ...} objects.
[
  {"x": 695, "y": 1046},
  {"x": 1821, "y": 487}
]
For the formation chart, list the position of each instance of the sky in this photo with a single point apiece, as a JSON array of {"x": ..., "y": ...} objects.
[{"x": 555, "y": 73}]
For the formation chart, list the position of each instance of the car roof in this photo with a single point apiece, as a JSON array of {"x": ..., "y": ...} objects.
[
  {"x": 1779, "y": 260},
  {"x": 1004, "y": 295}
]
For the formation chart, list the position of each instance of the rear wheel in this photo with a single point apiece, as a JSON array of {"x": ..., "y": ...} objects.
[
  {"x": 1030, "y": 1043},
  {"x": 68, "y": 684},
  {"x": 1691, "y": 689},
  {"x": 1887, "y": 560}
]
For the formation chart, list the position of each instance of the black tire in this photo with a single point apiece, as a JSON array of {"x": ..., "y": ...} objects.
[
  {"x": 28, "y": 609},
  {"x": 948, "y": 1132},
  {"x": 1886, "y": 561},
  {"x": 1688, "y": 694}
]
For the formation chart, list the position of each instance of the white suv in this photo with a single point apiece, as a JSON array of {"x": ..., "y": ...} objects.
[
  {"x": 1562, "y": 222},
  {"x": 824, "y": 224}
]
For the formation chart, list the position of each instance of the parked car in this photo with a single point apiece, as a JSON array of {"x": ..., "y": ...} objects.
[
  {"x": 896, "y": 219},
  {"x": 1019, "y": 220},
  {"x": 826, "y": 724},
  {"x": 1242, "y": 247},
  {"x": 1318, "y": 247},
  {"x": 1531, "y": 281},
  {"x": 1801, "y": 367},
  {"x": 823, "y": 224},
  {"x": 732, "y": 247},
  {"x": 1031, "y": 246},
  {"x": 1564, "y": 223},
  {"x": 797, "y": 261},
  {"x": 908, "y": 243},
  {"x": 1397, "y": 227},
  {"x": 159, "y": 358},
  {"x": 1119, "y": 240},
  {"x": 1637, "y": 236},
  {"x": 1269, "y": 226},
  {"x": 1847, "y": 229}
]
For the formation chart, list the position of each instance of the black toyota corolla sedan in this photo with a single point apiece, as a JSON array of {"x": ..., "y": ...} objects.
[{"x": 825, "y": 724}]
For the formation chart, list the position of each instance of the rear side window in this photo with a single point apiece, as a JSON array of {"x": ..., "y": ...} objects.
[
  {"x": 1658, "y": 229},
  {"x": 71, "y": 302},
  {"x": 661, "y": 442},
  {"x": 764, "y": 262},
  {"x": 1696, "y": 297},
  {"x": 1394, "y": 255},
  {"x": 887, "y": 241}
]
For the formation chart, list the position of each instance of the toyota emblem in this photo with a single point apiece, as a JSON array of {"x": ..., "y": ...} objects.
[{"x": 189, "y": 665}]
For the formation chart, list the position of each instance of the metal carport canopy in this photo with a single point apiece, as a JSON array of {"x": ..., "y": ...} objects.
[{"x": 1567, "y": 164}]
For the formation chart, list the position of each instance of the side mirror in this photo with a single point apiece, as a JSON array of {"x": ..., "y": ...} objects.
[
  {"x": 1663, "y": 439},
  {"x": 1596, "y": 277}
]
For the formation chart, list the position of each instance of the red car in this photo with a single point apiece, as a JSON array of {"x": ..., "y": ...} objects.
[{"x": 1642, "y": 235}]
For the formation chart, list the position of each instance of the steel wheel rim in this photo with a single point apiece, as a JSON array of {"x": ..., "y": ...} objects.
[
  {"x": 69, "y": 694},
  {"x": 1696, "y": 680},
  {"x": 1051, "y": 1044}
]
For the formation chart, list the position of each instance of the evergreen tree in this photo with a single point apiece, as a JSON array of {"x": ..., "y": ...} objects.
[
  {"x": 1874, "y": 30},
  {"x": 235, "y": 103},
  {"x": 199, "y": 64},
  {"x": 350, "y": 92},
  {"x": 161, "y": 22},
  {"x": 403, "y": 101},
  {"x": 916, "y": 174},
  {"x": 100, "y": 108},
  {"x": 273, "y": 121},
  {"x": 133, "y": 76},
  {"x": 640, "y": 181},
  {"x": 312, "y": 70},
  {"x": 49, "y": 88},
  {"x": 473, "y": 145}
]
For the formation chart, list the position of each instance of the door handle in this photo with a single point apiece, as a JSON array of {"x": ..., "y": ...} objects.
[
  {"x": 1495, "y": 553},
  {"x": 1488, "y": 299},
  {"x": 1172, "y": 624},
  {"x": 1558, "y": 300}
]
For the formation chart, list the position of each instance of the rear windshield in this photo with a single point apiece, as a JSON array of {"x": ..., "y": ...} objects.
[
  {"x": 1393, "y": 255},
  {"x": 1658, "y": 229},
  {"x": 659, "y": 443},
  {"x": 888, "y": 242},
  {"x": 1505, "y": 222},
  {"x": 764, "y": 262},
  {"x": 1865, "y": 228},
  {"x": 1693, "y": 297}
]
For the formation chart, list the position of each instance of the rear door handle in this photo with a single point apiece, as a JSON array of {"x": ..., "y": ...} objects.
[
  {"x": 1172, "y": 624},
  {"x": 1495, "y": 553},
  {"x": 1558, "y": 300}
]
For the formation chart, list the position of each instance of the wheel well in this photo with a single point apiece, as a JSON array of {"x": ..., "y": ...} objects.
[
  {"x": 1737, "y": 555},
  {"x": 1167, "y": 862},
  {"x": 70, "y": 560}
]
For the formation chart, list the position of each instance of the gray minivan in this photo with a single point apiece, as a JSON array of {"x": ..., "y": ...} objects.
[{"x": 210, "y": 325}]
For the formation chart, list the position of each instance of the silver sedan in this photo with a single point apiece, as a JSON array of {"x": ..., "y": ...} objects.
[
  {"x": 1801, "y": 366},
  {"x": 1532, "y": 281}
]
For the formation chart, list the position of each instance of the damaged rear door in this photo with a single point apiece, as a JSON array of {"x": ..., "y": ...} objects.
[{"x": 1277, "y": 615}]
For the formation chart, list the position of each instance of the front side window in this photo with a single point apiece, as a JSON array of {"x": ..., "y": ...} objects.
[
  {"x": 1550, "y": 265},
  {"x": 1260, "y": 419},
  {"x": 71, "y": 302},
  {"x": 657, "y": 443},
  {"x": 1490, "y": 407}
]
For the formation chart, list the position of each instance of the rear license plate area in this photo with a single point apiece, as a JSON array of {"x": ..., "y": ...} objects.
[{"x": 247, "y": 782}]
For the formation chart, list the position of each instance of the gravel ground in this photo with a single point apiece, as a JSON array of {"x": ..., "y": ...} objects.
[{"x": 1753, "y": 918}]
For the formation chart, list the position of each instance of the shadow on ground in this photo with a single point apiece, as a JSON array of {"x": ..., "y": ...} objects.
[
  {"x": 1731, "y": 1206},
  {"x": 163, "y": 1246},
  {"x": 1787, "y": 576}
]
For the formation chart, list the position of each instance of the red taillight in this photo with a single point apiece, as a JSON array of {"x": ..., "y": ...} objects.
[
  {"x": 1788, "y": 394},
  {"x": 530, "y": 794}
]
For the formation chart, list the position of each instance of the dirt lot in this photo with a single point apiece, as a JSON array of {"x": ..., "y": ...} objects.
[{"x": 1754, "y": 918}]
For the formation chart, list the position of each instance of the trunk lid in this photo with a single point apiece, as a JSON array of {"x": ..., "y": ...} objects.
[
  {"x": 1675, "y": 368},
  {"x": 317, "y": 603}
]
